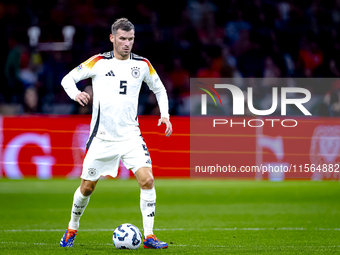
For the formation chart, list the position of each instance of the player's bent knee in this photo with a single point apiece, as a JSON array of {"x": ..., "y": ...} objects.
[
  {"x": 87, "y": 187},
  {"x": 86, "y": 191},
  {"x": 145, "y": 178},
  {"x": 147, "y": 183}
]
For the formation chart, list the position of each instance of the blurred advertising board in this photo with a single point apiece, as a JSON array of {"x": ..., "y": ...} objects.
[{"x": 54, "y": 146}]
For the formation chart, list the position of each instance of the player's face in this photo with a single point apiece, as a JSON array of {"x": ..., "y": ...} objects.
[{"x": 122, "y": 43}]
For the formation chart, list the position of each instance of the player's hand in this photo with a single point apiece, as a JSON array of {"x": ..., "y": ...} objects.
[
  {"x": 83, "y": 98},
  {"x": 166, "y": 121}
]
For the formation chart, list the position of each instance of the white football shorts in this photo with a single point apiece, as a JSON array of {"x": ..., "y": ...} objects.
[{"x": 103, "y": 157}]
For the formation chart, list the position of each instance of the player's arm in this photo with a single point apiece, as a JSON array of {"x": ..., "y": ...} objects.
[
  {"x": 83, "y": 71},
  {"x": 69, "y": 85},
  {"x": 157, "y": 87}
]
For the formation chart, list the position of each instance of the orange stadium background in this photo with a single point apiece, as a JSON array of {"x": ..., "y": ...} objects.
[{"x": 48, "y": 147}]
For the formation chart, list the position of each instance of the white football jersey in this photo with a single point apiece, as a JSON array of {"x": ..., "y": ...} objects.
[{"x": 116, "y": 85}]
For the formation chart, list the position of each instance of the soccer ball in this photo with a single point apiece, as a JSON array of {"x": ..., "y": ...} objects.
[{"x": 127, "y": 236}]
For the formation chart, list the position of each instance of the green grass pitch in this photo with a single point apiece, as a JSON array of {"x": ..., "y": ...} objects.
[{"x": 193, "y": 216}]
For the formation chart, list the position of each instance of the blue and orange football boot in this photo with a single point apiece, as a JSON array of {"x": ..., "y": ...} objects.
[
  {"x": 68, "y": 239},
  {"x": 152, "y": 242}
]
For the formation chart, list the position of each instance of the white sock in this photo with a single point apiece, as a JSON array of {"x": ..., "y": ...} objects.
[
  {"x": 79, "y": 204},
  {"x": 147, "y": 207}
]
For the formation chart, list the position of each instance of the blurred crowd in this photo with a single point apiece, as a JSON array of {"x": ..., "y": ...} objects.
[{"x": 182, "y": 39}]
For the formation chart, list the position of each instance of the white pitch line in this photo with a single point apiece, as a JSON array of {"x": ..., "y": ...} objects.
[{"x": 179, "y": 229}]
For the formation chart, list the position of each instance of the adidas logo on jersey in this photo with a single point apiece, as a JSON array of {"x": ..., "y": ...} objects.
[
  {"x": 148, "y": 161},
  {"x": 110, "y": 74}
]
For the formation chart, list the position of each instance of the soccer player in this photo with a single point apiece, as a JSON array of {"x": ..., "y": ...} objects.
[{"x": 117, "y": 77}]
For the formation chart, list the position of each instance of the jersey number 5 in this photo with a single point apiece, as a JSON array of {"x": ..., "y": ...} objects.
[{"x": 123, "y": 86}]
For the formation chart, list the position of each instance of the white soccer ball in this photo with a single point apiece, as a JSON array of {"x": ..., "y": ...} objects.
[{"x": 127, "y": 236}]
